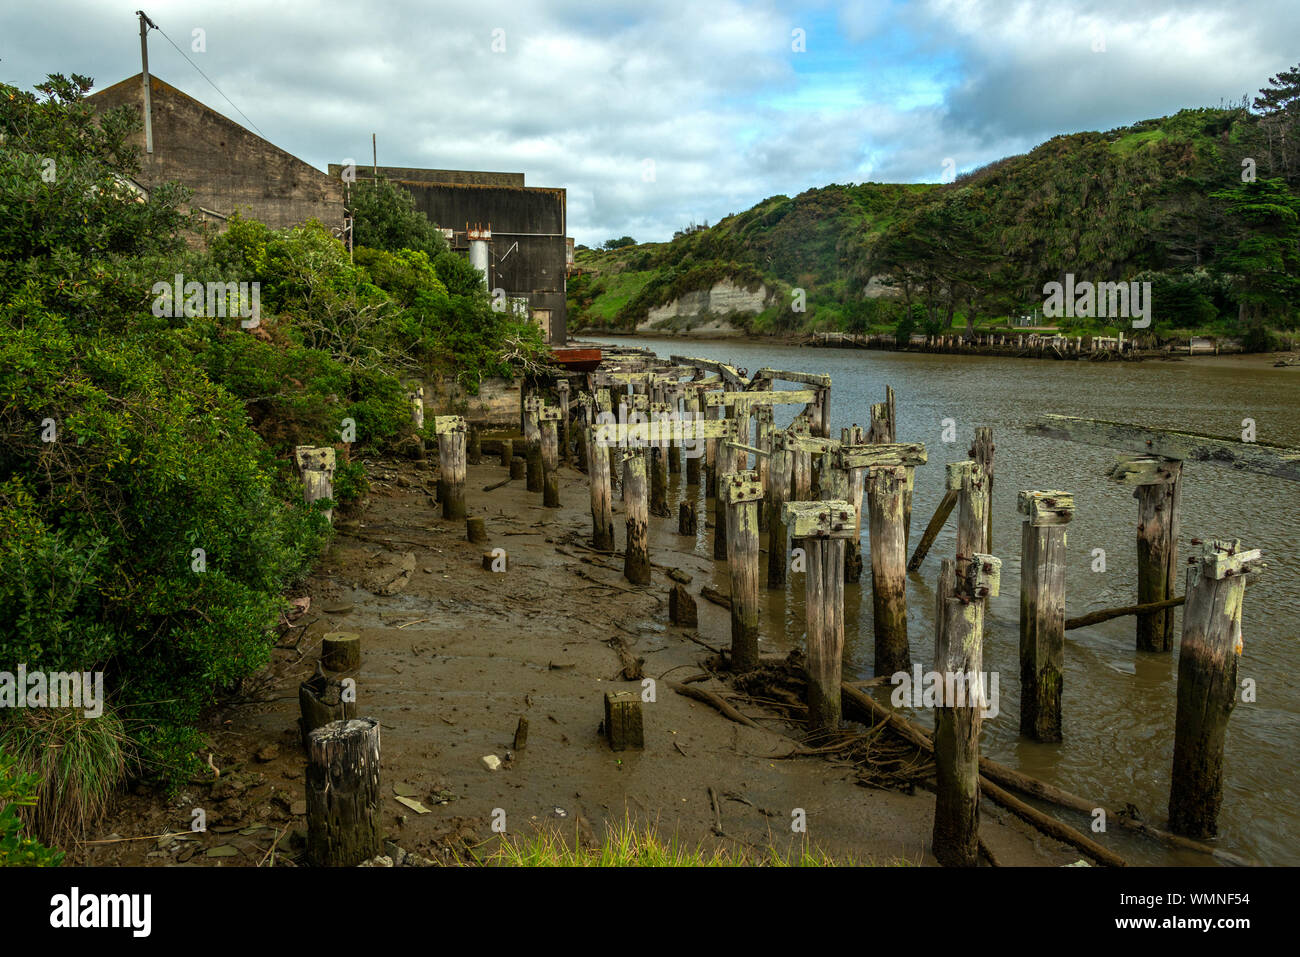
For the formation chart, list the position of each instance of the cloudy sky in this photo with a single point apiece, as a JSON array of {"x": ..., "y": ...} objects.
[{"x": 656, "y": 114}]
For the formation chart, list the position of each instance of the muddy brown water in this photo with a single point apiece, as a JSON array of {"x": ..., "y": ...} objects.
[{"x": 1119, "y": 704}]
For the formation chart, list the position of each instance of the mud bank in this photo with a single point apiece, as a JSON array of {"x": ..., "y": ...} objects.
[{"x": 453, "y": 655}]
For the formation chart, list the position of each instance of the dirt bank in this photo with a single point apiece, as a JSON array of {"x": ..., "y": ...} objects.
[{"x": 453, "y": 655}]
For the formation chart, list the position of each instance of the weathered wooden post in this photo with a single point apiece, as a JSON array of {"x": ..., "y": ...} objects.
[
  {"x": 672, "y": 446},
  {"x": 636, "y": 556},
  {"x": 507, "y": 452},
  {"x": 886, "y": 487},
  {"x": 778, "y": 495},
  {"x": 533, "y": 442},
  {"x": 660, "y": 426},
  {"x": 602, "y": 509},
  {"x": 343, "y": 799},
  {"x": 763, "y": 441},
  {"x": 341, "y": 651},
  {"x": 801, "y": 471},
  {"x": 823, "y": 528},
  {"x": 1159, "y": 491},
  {"x": 692, "y": 410},
  {"x": 1042, "y": 611},
  {"x": 562, "y": 387},
  {"x": 316, "y": 466},
  {"x": 711, "y": 453},
  {"x": 959, "y": 659},
  {"x": 450, "y": 430},
  {"x": 982, "y": 452},
  {"x": 1207, "y": 684},
  {"x": 417, "y": 416},
  {"x": 968, "y": 479},
  {"x": 549, "y": 422},
  {"x": 857, "y": 486},
  {"x": 742, "y": 494},
  {"x": 725, "y": 467},
  {"x": 473, "y": 445}
]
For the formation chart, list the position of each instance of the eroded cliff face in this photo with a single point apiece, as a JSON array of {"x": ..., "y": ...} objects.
[{"x": 715, "y": 304}]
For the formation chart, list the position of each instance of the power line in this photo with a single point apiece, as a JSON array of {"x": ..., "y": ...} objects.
[{"x": 206, "y": 77}]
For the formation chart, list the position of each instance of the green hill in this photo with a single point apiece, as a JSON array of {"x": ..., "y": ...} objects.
[{"x": 1203, "y": 204}]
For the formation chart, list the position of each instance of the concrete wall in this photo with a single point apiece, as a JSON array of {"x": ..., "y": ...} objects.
[
  {"x": 464, "y": 177},
  {"x": 495, "y": 406},
  {"x": 530, "y": 216},
  {"x": 227, "y": 167}
]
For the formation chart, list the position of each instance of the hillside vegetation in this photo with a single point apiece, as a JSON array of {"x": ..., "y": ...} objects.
[{"x": 1203, "y": 204}]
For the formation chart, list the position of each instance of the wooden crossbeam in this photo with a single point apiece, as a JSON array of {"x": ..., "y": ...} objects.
[
  {"x": 806, "y": 378},
  {"x": 885, "y": 454},
  {"x": 835, "y": 519},
  {"x": 728, "y": 373},
  {"x": 1262, "y": 457},
  {"x": 792, "y": 397},
  {"x": 676, "y": 430},
  {"x": 799, "y": 442}
]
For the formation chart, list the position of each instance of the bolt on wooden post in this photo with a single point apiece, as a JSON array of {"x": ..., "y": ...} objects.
[
  {"x": 1207, "y": 683},
  {"x": 533, "y": 442},
  {"x": 742, "y": 493},
  {"x": 548, "y": 423},
  {"x": 450, "y": 430},
  {"x": 316, "y": 466},
  {"x": 1158, "y": 491},
  {"x": 886, "y": 487},
  {"x": 959, "y": 659},
  {"x": 636, "y": 556},
  {"x": 343, "y": 797},
  {"x": 598, "y": 478},
  {"x": 1042, "y": 610},
  {"x": 823, "y": 527}
]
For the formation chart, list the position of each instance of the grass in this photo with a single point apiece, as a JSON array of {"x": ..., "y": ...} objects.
[
  {"x": 632, "y": 845},
  {"x": 81, "y": 763}
]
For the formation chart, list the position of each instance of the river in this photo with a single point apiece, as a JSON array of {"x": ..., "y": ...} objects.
[{"x": 1118, "y": 704}]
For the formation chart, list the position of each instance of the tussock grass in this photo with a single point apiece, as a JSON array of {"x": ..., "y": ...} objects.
[{"x": 81, "y": 763}]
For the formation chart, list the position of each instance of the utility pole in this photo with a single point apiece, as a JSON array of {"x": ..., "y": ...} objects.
[
  {"x": 145, "y": 24},
  {"x": 374, "y": 158}
]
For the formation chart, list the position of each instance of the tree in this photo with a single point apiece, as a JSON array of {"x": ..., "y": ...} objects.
[
  {"x": 619, "y": 243},
  {"x": 385, "y": 217},
  {"x": 1262, "y": 256},
  {"x": 1279, "y": 108}
]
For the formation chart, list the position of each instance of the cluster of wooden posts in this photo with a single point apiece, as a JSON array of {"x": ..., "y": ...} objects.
[
  {"x": 1020, "y": 344},
  {"x": 638, "y": 418}
]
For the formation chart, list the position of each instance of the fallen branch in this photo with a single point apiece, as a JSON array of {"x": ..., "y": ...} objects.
[
  {"x": 715, "y": 596},
  {"x": 713, "y": 701}
]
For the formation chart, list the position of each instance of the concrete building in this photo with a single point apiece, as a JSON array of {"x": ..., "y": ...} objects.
[
  {"x": 518, "y": 230},
  {"x": 228, "y": 167}
]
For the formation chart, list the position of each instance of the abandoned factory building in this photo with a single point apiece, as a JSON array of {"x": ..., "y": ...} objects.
[
  {"x": 513, "y": 232},
  {"x": 227, "y": 167}
]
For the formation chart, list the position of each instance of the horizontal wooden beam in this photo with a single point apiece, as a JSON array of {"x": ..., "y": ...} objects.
[
  {"x": 446, "y": 424},
  {"x": 1262, "y": 457},
  {"x": 806, "y": 378},
  {"x": 727, "y": 372},
  {"x": 789, "y": 397},
  {"x": 740, "y": 487},
  {"x": 820, "y": 519},
  {"x": 882, "y": 455}
]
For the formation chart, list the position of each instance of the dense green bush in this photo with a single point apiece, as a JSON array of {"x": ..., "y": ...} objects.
[{"x": 19, "y": 789}]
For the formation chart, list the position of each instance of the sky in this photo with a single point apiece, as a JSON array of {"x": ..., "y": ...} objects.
[{"x": 654, "y": 115}]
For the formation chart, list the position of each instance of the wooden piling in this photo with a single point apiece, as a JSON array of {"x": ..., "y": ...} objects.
[
  {"x": 548, "y": 423},
  {"x": 687, "y": 520},
  {"x": 659, "y": 460},
  {"x": 1207, "y": 684},
  {"x": 885, "y": 489},
  {"x": 533, "y": 442},
  {"x": 1042, "y": 611},
  {"x": 598, "y": 477},
  {"x": 474, "y": 446},
  {"x": 636, "y": 556},
  {"x": 343, "y": 796},
  {"x": 341, "y": 651},
  {"x": 725, "y": 467},
  {"x": 1159, "y": 492},
  {"x": 778, "y": 495},
  {"x": 968, "y": 479},
  {"x": 982, "y": 452},
  {"x": 518, "y": 467},
  {"x": 958, "y": 657},
  {"x": 672, "y": 446},
  {"x": 321, "y": 700},
  {"x": 562, "y": 390},
  {"x": 823, "y": 527},
  {"x": 623, "y": 725},
  {"x": 741, "y": 494},
  {"x": 476, "y": 529},
  {"x": 693, "y": 456},
  {"x": 507, "y": 453},
  {"x": 316, "y": 467},
  {"x": 450, "y": 430}
]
